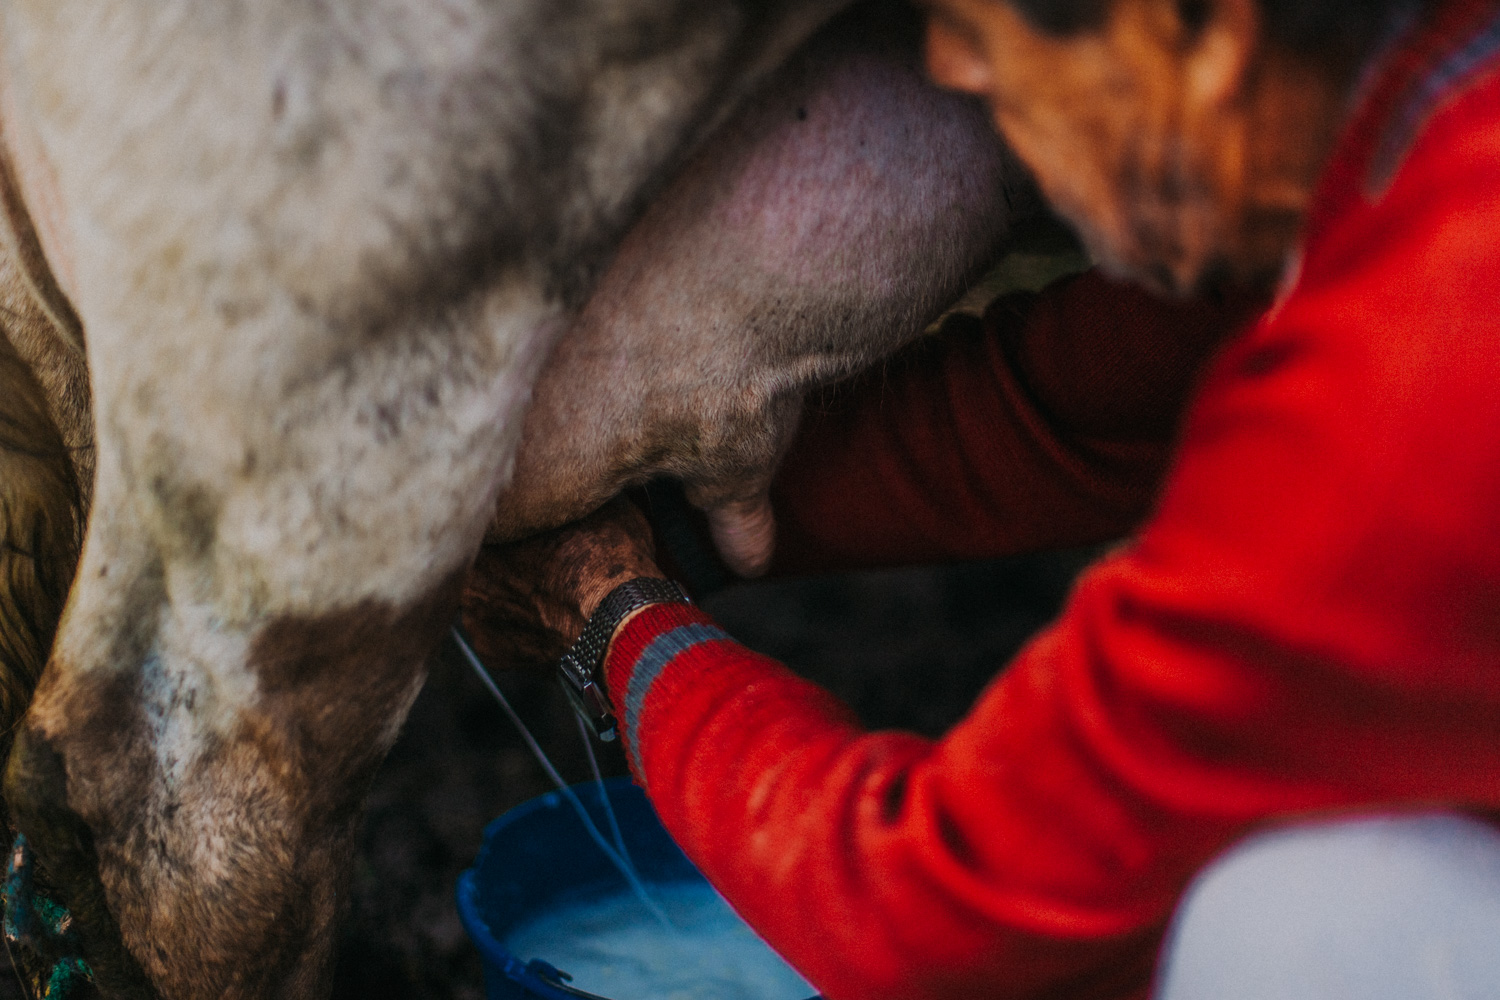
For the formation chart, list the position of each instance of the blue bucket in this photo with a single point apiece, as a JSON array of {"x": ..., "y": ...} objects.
[{"x": 537, "y": 858}]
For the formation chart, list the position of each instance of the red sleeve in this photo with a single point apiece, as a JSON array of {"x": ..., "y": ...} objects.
[
  {"x": 1048, "y": 424},
  {"x": 1308, "y": 623}
]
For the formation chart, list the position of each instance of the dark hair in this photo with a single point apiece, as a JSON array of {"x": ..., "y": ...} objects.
[{"x": 1301, "y": 25}]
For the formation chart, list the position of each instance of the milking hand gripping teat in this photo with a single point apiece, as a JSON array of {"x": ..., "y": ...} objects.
[{"x": 580, "y": 668}]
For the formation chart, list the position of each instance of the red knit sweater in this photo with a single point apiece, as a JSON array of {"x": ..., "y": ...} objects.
[{"x": 1307, "y": 621}]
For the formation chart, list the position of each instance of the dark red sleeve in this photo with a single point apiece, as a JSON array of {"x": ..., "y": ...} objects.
[{"x": 1048, "y": 424}]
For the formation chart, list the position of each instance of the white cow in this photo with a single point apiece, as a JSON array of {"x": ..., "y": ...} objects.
[{"x": 316, "y": 255}]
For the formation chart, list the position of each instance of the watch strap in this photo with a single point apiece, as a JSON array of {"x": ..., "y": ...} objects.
[{"x": 581, "y": 667}]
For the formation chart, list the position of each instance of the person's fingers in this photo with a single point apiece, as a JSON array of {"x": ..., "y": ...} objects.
[
  {"x": 525, "y": 602},
  {"x": 501, "y": 609}
]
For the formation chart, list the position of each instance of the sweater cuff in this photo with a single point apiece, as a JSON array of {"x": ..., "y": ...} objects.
[{"x": 641, "y": 652}]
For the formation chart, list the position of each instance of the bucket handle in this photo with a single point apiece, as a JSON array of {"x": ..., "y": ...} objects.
[{"x": 558, "y": 979}]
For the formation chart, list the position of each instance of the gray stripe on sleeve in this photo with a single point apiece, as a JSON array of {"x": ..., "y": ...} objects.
[{"x": 653, "y": 660}]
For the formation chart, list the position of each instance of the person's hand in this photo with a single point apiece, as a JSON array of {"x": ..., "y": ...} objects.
[{"x": 526, "y": 602}]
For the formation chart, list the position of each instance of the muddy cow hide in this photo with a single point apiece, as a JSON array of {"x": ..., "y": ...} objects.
[{"x": 281, "y": 280}]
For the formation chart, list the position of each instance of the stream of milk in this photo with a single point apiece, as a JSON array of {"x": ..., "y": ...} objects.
[
  {"x": 679, "y": 941},
  {"x": 613, "y": 947},
  {"x": 617, "y": 856}
]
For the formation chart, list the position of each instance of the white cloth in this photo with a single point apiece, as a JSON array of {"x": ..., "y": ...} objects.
[{"x": 1392, "y": 908}]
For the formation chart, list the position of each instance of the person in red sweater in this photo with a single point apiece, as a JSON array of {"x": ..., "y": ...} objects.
[{"x": 1304, "y": 623}]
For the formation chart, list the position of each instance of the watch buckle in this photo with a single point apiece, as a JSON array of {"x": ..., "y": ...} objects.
[{"x": 588, "y": 698}]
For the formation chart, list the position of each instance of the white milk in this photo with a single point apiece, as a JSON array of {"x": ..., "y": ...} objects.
[{"x": 613, "y": 947}]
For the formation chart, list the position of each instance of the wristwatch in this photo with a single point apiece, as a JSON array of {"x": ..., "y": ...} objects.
[{"x": 581, "y": 669}]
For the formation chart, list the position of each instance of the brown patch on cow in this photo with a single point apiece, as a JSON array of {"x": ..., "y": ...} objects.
[
  {"x": 333, "y": 678},
  {"x": 332, "y": 688},
  {"x": 228, "y": 878}
]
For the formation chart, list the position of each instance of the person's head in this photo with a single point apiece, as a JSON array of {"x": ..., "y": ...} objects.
[{"x": 1182, "y": 137}]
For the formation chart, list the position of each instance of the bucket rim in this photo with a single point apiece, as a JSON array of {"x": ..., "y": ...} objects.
[
  {"x": 466, "y": 894},
  {"x": 493, "y": 952},
  {"x": 466, "y": 891}
]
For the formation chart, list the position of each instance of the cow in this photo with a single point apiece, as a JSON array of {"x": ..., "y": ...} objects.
[{"x": 304, "y": 299}]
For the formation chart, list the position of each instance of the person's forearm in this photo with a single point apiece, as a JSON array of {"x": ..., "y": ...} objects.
[
  {"x": 827, "y": 839},
  {"x": 1049, "y": 425}
]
